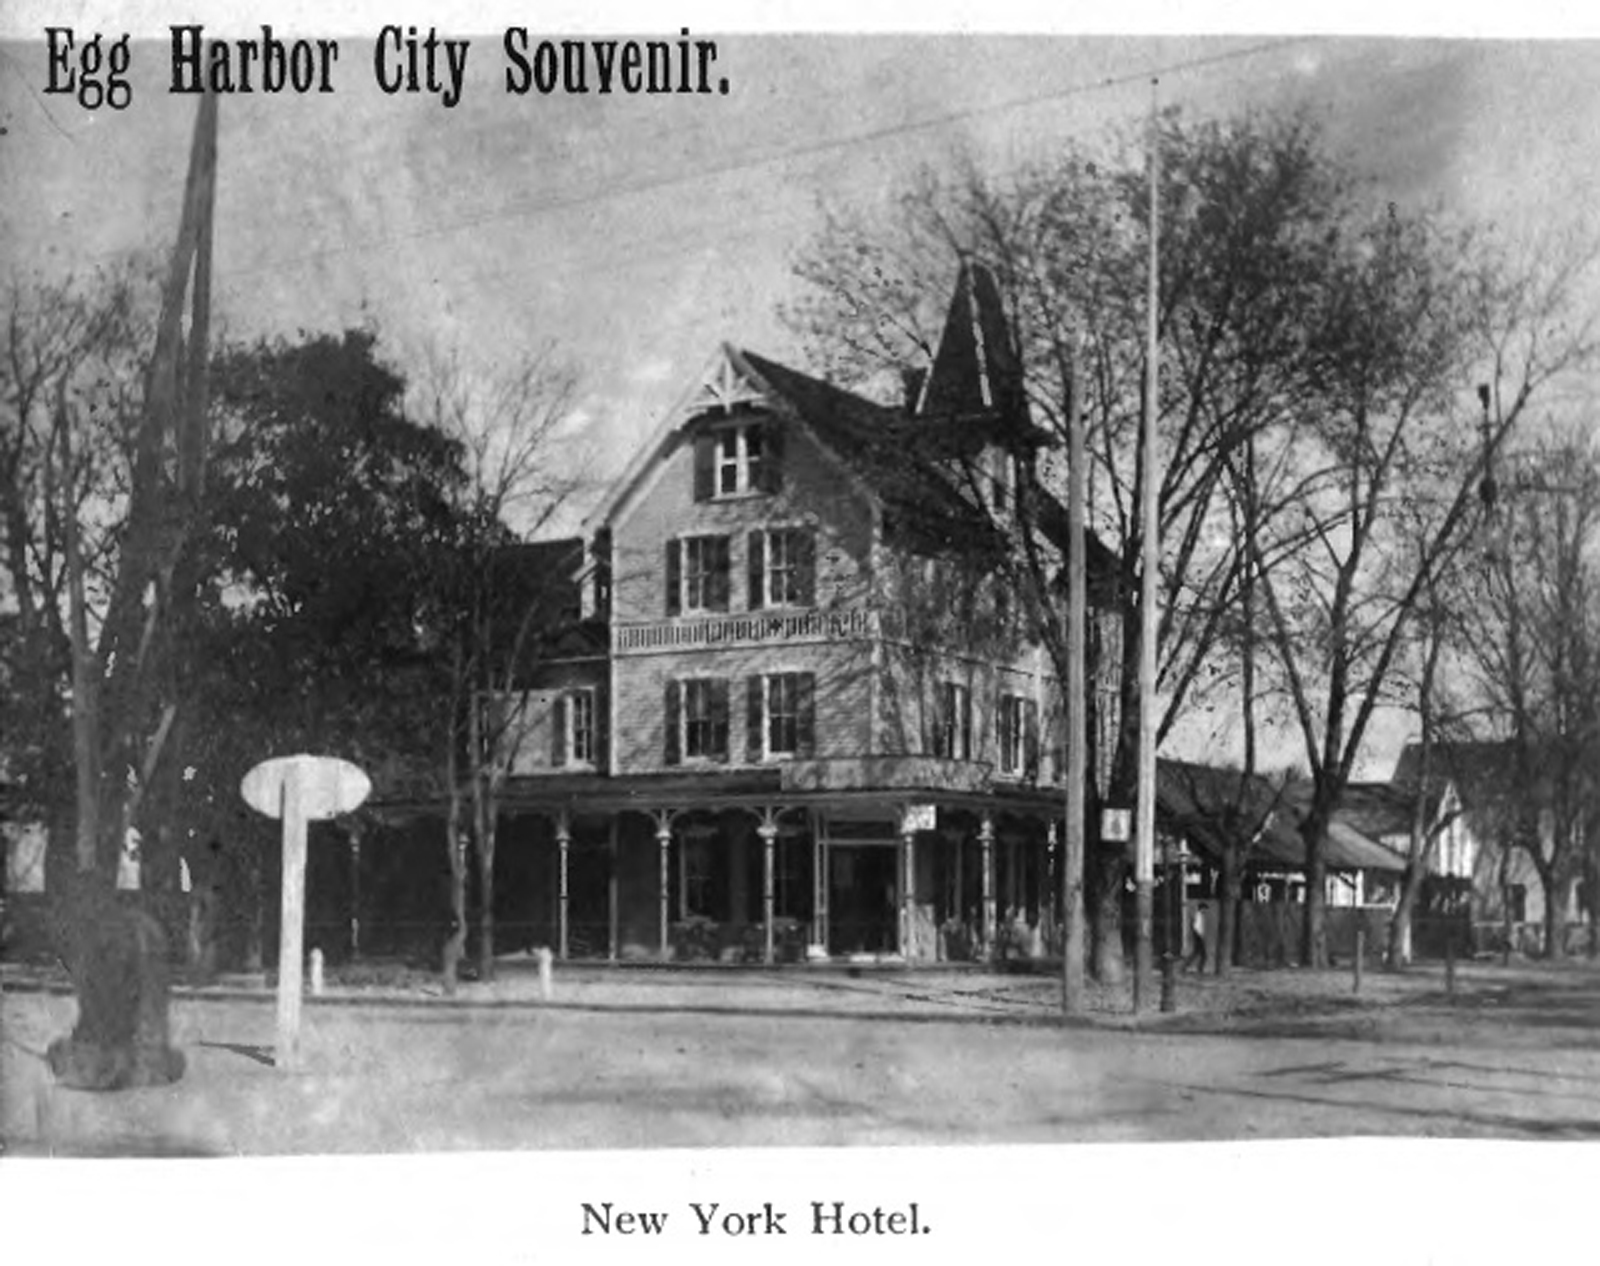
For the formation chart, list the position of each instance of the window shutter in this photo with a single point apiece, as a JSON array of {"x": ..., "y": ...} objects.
[
  {"x": 674, "y": 577},
  {"x": 755, "y": 716},
  {"x": 805, "y": 566},
  {"x": 719, "y": 720},
  {"x": 720, "y": 568},
  {"x": 673, "y": 754},
  {"x": 1030, "y": 738},
  {"x": 602, "y": 729},
  {"x": 806, "y": 740},
  {"x": 704, "y": 467},
  {"x": 965, "y": 721},
  {"x": 938, "y": 721},
  {"x": 771, "y": 457},
  {"x": 558, "y": 731},
  {"x": 758, "y": 570}
]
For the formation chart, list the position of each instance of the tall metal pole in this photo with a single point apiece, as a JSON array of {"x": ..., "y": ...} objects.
[
  {"x": 1072, "y": 993},
  {"x": 1150, "y": 563}
]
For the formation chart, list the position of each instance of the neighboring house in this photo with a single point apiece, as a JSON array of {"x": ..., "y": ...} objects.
[
  {"x": 1499, "y": 880},
  {"x": 818, "y": 726},
  {"x": 1202, "y": 806}
]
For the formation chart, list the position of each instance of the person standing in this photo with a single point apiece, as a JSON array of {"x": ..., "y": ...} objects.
[{"x": 1197, "y": 935}]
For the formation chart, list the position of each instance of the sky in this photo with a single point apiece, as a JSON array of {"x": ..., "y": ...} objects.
[{"x": 638, "y": 233}]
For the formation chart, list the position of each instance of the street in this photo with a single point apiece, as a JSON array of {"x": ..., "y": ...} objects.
[{"x": 635, "y": 1061}]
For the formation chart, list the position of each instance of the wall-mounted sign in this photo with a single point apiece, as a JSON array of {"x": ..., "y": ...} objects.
[{"x": 919, "y": 817}]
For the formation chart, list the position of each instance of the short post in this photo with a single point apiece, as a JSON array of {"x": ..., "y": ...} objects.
[
  {"x": 291, "y": 927},
  {"x": 546, "y": 982},
  {"x": 1450, "y": 964},
  {"x": 1361, "y": 948},
  {"x": 316, "y": 973}
]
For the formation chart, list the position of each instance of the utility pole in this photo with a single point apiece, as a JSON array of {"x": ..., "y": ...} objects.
[
  {"x": 1150, "y": 563},
  {"x": 1072, "y": 995}
]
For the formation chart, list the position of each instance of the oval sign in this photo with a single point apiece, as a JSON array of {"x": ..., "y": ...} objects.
[{"x": 325, "y": 785}]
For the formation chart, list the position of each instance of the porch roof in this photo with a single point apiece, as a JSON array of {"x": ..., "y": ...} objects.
[{"x": 893, "y": 781}]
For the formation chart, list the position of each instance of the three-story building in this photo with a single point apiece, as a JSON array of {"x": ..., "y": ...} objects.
[{"x": 820, "y": 726}]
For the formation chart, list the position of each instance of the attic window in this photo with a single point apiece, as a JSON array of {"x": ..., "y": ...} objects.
[{"x": 739, "y": 459}]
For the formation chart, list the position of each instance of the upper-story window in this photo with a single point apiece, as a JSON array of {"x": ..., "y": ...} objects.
[
  {"x": 1019, "y": 735},
  {"x": 782, "y": 715},
  {"x": 737, "y": 459},
  {"x": 697, "y": 574},
  {"x": 697, "y": 719},
  {"x": 953, "y": 721},
  {"x": 783, "y": 568},
  {"x": 573, "y": 729}
]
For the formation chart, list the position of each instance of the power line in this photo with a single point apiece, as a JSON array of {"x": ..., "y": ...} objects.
[{"x": 545, "y": 206}]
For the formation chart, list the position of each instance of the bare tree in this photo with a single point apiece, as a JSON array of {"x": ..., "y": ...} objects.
[
  {"x": 1535, "y": 656},
  {"x": 496, "y": 610},
  {"x": 1248, "y": 209},
  {"x": 1392, "y": 462}
]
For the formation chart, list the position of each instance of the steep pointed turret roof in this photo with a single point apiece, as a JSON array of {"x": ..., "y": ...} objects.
[{"x": 976, "y": 369}]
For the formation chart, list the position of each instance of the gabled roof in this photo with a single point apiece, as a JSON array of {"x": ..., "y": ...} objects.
[
  {"x": 1348, "y": 846},
  {"x": 1197, "y": 801},
  {"x": 1205, "y": 803},
  {"x": 879, "y": 446},
  {"x": 1481, "y": 771},
  {"x": 1380, "y": 809}
]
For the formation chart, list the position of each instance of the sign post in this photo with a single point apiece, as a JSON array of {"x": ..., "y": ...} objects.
[{"x": 298, "y": 790}]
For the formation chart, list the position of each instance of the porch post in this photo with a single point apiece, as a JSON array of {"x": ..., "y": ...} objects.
[
  {"x": 768, "y": 831},
  {"x": 908, "y": 896},
  {"x": 563, "y": 844},
  {"x": 664, "y": 841},
  {"x": 986, "y": 841},
  {"x": 613, "y": 897},
  {"x": 819, "y": 882}
]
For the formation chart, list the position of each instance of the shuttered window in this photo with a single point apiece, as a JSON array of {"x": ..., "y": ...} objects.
[
  {"x": 696, "y": 720},
  {"x": 781, "y": 714},
  {"x": 783, "y": 568},
  {"x": 1019, "y": 736},
  {"x": 697, "y": 574}
]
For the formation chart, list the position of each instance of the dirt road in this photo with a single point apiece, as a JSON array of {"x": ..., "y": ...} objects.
[{"x": 659, "y": 1063}]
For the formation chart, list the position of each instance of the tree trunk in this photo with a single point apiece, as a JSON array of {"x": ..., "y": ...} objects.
[
  {"x": 1397, "y": 955},
  {"x": 1313, "y": 936},
  {"x": 1109, "y": 875},
  {"x": 485, "y": 836},
  {"x": 1228, "y": 911},
  {"x": 455, "y": 945},
  {"x": 1554, "y": 943}
]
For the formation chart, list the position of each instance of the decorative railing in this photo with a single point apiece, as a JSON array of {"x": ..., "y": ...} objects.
[{"x": 748, "y": 628}]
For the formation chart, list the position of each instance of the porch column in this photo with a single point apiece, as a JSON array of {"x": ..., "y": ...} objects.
[
  {"x": 768, "y": 831},
  {"x": 613, "y": 897},
  {"x": 986, "y": 842},
  {"x": 908, "y": 896},
  {"x": 664, "y": 843},
  {"x": 819, "y": 886},
  {"x": 563, "y": 845}
]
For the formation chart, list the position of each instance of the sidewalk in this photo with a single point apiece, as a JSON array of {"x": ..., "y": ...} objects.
[{"x": 891, "y": 991}]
